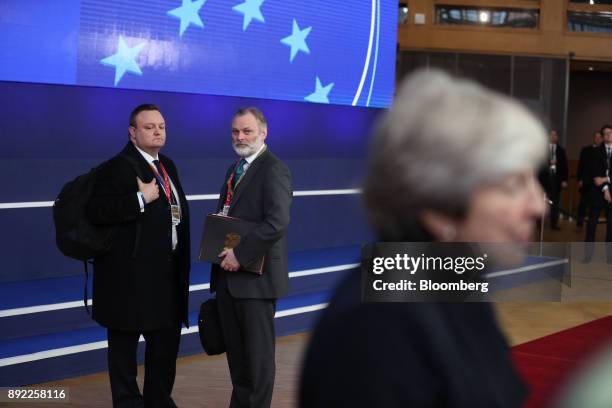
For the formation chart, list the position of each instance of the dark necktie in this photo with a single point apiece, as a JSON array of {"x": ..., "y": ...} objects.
[
  {"x": 238, "y": 172},
  {"x": 158, "y": 167}
]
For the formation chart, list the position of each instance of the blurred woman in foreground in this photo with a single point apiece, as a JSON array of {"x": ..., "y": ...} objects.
[{"x": 451, "y": 162}]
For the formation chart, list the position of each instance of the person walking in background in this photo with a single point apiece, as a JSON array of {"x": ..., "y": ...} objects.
[
  {"x": 601, "y": 198},
  {"x": 553, "y": 177},
  {"x": 584, "y": 177}
]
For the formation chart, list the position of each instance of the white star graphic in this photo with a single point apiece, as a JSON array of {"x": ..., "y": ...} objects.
[
  {"x": 188, "y": 14},
  {"x": 250, "y": 10},
  {"x": 124, "y": 60},
  {"x": 320, "y": 93},
  {"x": 297, "y": 40}
]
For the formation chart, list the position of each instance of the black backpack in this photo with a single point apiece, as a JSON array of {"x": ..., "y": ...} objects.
[{"x": 75, "y": 236}]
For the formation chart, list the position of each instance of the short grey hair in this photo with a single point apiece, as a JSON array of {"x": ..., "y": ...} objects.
[
  {"x": 259, "y": 116},
  {"x": 442, "y": 138}
]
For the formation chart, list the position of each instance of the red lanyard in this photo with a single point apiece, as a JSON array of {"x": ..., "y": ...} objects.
[
  {"x": 230, "y": 190},
  {"x": 165, "y": 179}
]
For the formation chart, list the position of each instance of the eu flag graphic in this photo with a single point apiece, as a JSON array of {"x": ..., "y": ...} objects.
[{"x": 318, "y": 51}]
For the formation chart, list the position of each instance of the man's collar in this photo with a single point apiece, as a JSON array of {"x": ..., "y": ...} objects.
[
  {"x": 252, "y": 157},
  {"x": 146, "y": 155}
]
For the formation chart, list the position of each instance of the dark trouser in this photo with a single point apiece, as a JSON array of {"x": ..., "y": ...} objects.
[
  {"x": 554, "y": 196},
  {"x": 594, "y": 212},
  {"x": 248, "y": 329},
  {"x": 160, "y": 367},
  {"x": 582, "y": 206}
]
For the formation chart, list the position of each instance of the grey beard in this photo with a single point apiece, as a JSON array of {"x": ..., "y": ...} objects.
[{"x": 248, "y": 150}]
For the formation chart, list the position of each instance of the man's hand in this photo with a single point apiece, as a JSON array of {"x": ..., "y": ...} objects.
[
  {"x": 580, "y": 184},
  {"x": 600, "y": 180},
  {"x": 608, "y": 196},
  {"x": 564, "y": 184},
  {"x": 150, "y": 190},
  {"x": 229, "y": 263}
]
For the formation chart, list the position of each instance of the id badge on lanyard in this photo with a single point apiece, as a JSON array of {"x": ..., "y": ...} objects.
[
  {"x": 228, "y": 198},
  {"x": 175, "y": 210}
]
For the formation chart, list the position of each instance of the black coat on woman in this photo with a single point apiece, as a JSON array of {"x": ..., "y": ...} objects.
[{"x": 450, "y": 355}]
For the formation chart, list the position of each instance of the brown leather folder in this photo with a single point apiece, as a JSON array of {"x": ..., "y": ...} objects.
[{"x": 226, "y": 232}]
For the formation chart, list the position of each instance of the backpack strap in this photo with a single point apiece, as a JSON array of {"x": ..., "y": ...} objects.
[{"x": 85, "y": 288}]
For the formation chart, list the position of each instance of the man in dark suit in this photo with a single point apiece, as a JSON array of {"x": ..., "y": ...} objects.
[
  {"x": 553, "y": 177},
  {"x": 600, "y": 194},
  {"x": 585, "y": 179},
  {"x": 141, "y": 284},
  {"x": 256, "y": 188}
]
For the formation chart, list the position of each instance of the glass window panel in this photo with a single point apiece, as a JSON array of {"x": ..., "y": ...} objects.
[
  {"x": 492, "y": 71},
  {"x": 527, "y": 78},
  {"x": 592, "y": 1},
  {"x": 409, "y": 61},
  {"x": 489, "y": 17},
  {"x": 402, "y": 14},
  {"x": 444, "y": 61},
  {"x": 596, "y": 22}
]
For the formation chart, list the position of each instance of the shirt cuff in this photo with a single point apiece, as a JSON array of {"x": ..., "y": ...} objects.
[{"x": 141, "y": 201}]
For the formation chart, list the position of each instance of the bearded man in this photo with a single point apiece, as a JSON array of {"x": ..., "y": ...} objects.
[{"x": 256, "y": 188}]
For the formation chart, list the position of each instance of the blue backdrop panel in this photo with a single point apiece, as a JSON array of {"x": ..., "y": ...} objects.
[
  {"x": 316, "y": 51},
  {"x": 28, "y": 249},
  {"x": 39, "y": 40},
  {"x": 51, "y": 133}
]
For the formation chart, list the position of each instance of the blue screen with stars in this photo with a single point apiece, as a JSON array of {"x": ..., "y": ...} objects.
[{"x": 318, "y": 51}]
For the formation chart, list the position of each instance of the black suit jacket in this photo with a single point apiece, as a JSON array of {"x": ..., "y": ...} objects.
[
  {"x": 397, "y": 355},
  {"x": 600, "y": 168},
  {"x": 263, "y": 196},
  {"x": 553, "y": 181},
  {"x": 140, "y": 284},
  {"x": 585, "y": 167}
]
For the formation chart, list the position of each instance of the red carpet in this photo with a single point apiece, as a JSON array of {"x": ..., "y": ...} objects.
[{"x": 546, "y": 363}]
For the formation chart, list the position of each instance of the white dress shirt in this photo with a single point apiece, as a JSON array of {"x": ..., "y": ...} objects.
[
  {"x": 149, "y": 160},
  {"x": 252, "y": 157}
]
